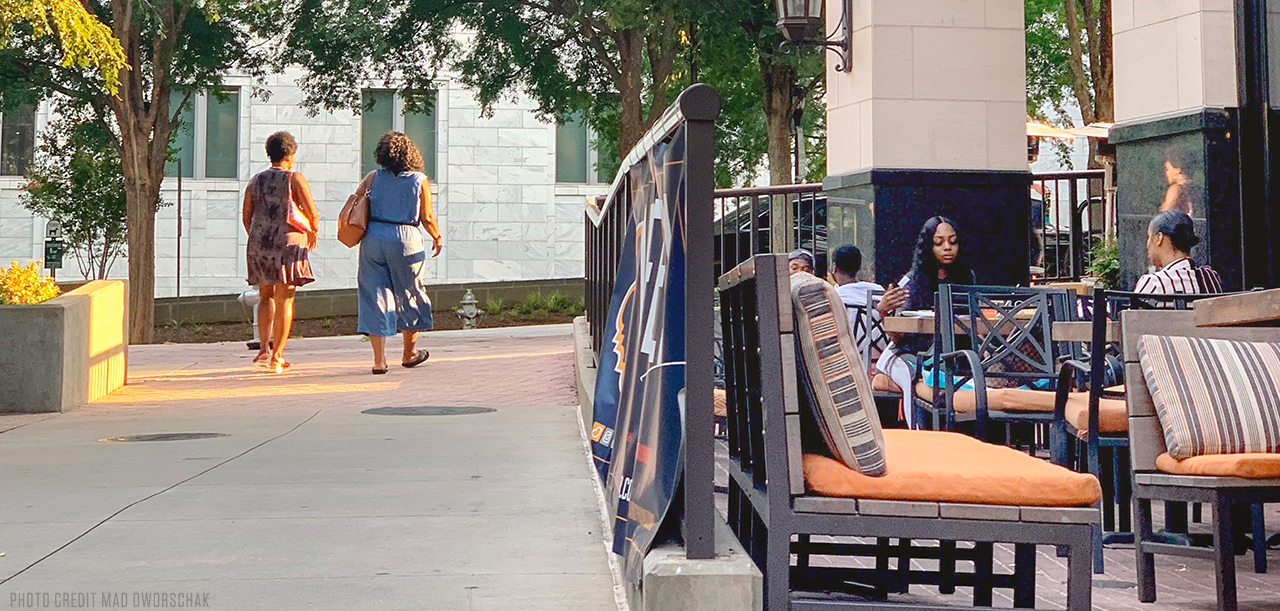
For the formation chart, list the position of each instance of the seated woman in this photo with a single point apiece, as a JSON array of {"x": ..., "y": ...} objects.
[
  {"x": 936, "y": 261},
  {"x": 1170, "y": 237}
]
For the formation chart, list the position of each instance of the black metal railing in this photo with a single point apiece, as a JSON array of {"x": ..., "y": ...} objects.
[
  {"x": 606, "y": 230},
  {"x": 745, "y": 220},
  {"x": 1069, "y": 215}
]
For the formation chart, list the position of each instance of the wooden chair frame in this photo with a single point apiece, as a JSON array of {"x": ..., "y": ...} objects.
[
  {"x": 1146, "y": 442},
  {"x": 769, "y": 504}
]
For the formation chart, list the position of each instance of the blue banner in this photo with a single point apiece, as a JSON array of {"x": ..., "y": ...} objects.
[
  {"x": 648, "y": 444},
  {"x": 611, "y": 366}
]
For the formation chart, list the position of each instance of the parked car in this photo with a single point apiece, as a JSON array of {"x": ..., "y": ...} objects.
[{"x": 734, "y": 233}]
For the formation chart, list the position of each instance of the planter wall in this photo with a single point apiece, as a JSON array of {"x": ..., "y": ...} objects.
[{"x": 66, "y": 352}]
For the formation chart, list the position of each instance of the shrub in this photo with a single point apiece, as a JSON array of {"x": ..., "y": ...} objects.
[
  {"x": 1104, "y": 263},
  {"x": 557, "y": 302},
  {"x": 533, "y": 304},
  {"x": 26, "y": 285}
]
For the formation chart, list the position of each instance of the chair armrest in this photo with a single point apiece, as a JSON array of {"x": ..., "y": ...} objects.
[
  {"x": 979, "y": 381},
  {"x": 1070, "y": 368}
]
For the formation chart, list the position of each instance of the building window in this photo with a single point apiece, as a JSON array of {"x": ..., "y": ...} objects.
[
  {"x": 17, "y": 140},
  {"x": 577, "y": 160},
  {"x": 383, "y": 110},
  {"x": 222, "y": 134},
  {"x": 207, "y": 138}
]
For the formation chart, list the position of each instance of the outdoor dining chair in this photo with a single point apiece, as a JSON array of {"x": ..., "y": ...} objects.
[
  {"x": 1091, "y": 430},
  {"x": 994, "y": 359},
  {"x": 1222, "y": 480}
]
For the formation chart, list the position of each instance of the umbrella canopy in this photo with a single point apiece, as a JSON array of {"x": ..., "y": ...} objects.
[{"x": 1040, "y": 130}]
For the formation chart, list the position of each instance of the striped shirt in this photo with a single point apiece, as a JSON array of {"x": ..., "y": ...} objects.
[{"x": 1180, "y": 277}]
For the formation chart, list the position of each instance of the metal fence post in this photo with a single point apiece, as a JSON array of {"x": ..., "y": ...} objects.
[{"x": 700, "y": 105}]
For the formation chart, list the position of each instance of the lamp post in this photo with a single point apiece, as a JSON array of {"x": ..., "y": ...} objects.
[{"x": 802, "y": 23}]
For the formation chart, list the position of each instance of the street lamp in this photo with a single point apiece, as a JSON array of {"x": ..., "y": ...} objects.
[{"x": 802, "y": 21}]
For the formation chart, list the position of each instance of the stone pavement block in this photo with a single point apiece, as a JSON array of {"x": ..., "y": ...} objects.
[
  {"x": 179, "y": 549},
  {"x": 320, "y": 506}
]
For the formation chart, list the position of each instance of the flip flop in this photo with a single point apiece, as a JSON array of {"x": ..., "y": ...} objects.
[
  {"x": 421, "y": 358},
  {"x": 379, "y": 372}
]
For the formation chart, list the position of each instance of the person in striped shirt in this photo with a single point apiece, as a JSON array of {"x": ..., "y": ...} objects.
[{"x": 1170, "y": 238}]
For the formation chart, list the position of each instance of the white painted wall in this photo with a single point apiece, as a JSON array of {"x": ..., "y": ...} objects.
[{"x": 502, "y": 214}]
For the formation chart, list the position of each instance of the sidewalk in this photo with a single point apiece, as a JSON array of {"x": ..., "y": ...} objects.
[{"x": 307, "y": 503}]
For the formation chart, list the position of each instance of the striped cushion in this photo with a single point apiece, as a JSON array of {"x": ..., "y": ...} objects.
[
  {"x": 1214, "y": 396},
  {"x": 832, "y": 377}
]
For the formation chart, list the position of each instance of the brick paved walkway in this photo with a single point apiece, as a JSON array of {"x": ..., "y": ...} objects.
[
  {"x": 1183, "y": 584},
  {"x": 308, "y": 503}
]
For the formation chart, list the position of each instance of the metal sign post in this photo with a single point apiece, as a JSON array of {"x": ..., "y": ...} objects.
[
  {"x": 54, "y": 248},
  {"x": 177, "y": 293}
]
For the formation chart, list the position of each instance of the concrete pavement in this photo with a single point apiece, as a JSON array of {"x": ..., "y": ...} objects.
[{"x": 306, "y": 502}]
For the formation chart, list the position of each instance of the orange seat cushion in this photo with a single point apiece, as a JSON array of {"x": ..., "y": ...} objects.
[
  {"x": 1113, "y": 416},
  {"x": 1255, "y": 465},
  {"x": 720, "y": 402},
  {"x": 954, "y": 468},
  {"x": 999, "y": 399},
  {"x": 1117, "y": 390}
]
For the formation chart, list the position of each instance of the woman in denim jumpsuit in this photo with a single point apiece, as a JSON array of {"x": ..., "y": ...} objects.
[{"x": 393, "y": 254}]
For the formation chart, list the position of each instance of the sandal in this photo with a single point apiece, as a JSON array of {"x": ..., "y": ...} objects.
[
  {"x": 262, "y": 357},
  {"x": 278, "y": 366},
  {"x": 419, "y": 359},
  {"x": 379, "y": 372}
]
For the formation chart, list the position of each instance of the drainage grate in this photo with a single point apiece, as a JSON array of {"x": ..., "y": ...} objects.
[
  {"x": 428, "y": 410},
  {"x": 162, "y": 437}
]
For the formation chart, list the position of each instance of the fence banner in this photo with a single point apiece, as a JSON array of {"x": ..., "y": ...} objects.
[
  {"x": 648, "y": 445},
  {"x": 612, "y": 365}
]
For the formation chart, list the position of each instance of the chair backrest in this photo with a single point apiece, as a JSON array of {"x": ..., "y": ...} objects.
[
  {"x": 868, "y": 330},
  {"x": 760, "y": 374},
  {"x": 1146, "y": 436},
  {"x": 1010, "y": 328}
]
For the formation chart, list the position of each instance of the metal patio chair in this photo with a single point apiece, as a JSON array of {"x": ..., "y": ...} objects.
[{"x": 996, "y": 340}]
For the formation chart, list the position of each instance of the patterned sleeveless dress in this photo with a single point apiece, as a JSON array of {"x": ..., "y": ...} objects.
[{"x": 277, "y": 253}]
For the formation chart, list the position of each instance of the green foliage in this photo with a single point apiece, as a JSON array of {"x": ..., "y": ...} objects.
[
  {"x": 1104, "y": 263},
  {"x": 85, "y": 42},
  {"x": 493, "y": 306},
  {"x": 558, "y": 302},
  {"x": 76, "y": 179},
  {"x": 1048, "y": 56},
  {"x": 536, "y": 304}
]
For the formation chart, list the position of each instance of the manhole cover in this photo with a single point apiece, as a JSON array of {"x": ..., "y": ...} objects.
[
  {"x": 163, "y": 437},
  {"x": 1113, "y": 584},
  {"x": 428, "y": 410}
]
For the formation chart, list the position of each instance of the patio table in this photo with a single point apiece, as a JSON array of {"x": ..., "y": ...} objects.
[
  {"x": 1082, "y": 331},
  {"x": 1258, "y": 308}
]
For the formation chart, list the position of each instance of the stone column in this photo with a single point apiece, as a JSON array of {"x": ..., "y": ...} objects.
[
  {"x": 1176, "y": 99},
  {"x": 931, "y": 121}
]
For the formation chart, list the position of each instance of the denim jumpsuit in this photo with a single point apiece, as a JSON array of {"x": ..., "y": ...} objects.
[{"x": 393, "y": 257}]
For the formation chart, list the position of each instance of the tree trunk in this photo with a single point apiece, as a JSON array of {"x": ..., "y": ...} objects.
[
  {"x": 142, "y": 261},
  {"x": 1079, "y": 76},
  {"x": 631, "y": 123},
  {"x": 1104, "y": 86},
  {"x": 779, "y": 109}
]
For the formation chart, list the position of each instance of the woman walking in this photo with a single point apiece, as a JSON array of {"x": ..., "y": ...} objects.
[
  {"x": 392, "y": 253},
  {"x": 277, "y": 251}
]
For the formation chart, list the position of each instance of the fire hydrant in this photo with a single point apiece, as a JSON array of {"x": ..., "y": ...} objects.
[
  {"x": 468, "y": 312},
  {"x": 250, "y": 299}
]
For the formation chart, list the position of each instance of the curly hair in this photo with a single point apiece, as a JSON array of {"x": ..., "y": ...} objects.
[
  {"x": 396, "y": 152},
  {"x": 281, "y": 145}
]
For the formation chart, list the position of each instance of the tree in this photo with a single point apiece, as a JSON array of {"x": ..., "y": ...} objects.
[
  {"x": 169, "y": 46},
  {"x": 1069, "y": 61},
  {"x": 86, "y": 42},
  {"x": 77, "y": 181}
]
